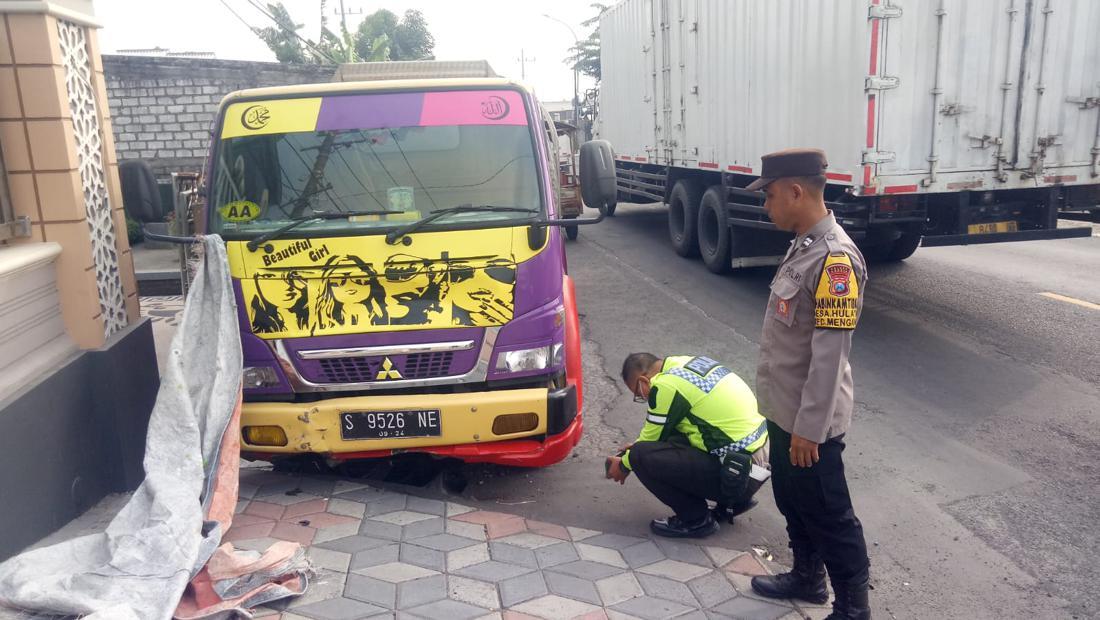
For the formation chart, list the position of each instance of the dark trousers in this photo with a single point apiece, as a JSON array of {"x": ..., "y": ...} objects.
[
  {"x": 681, "y": 476},
  {"x": 817, "y": 506}
]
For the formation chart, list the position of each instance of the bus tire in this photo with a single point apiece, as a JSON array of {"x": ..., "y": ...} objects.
[
  {"x": 683, "y": 217},
  {"x": 714, "y": 231}
]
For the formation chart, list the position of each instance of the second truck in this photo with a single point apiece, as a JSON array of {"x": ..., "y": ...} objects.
[{"x": 945, "y": 122}]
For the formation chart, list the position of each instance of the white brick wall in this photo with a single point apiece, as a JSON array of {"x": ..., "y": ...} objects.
[{"x": 163, "y": 108}]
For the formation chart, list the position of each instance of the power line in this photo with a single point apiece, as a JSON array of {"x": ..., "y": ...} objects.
[
  {"x": 237, "y": 15},
  {"x": 313, "y": 47}
]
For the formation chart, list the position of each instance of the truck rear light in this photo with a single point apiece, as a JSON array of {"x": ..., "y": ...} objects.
[
  {"x": 264, "y": 435},
  {"x": 893, "y": 204},
  {"x": 515, "y": 423}
]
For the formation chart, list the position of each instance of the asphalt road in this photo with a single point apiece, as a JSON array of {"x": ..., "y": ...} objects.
[{"x": 973, "y": 458}]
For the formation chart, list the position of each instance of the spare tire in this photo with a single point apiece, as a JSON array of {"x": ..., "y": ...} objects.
[{"x": 683, "y": 217}]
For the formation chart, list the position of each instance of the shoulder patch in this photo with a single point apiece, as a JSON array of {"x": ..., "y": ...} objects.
[
  {"x": 701, "y": 365},
  {"x": 837, "y": 296}
]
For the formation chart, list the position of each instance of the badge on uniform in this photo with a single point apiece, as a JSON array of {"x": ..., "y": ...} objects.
[
  {"x": 837, "y": 296},
  {"x": 839, "y": 274},
  {"x": 783, "y": 308}
]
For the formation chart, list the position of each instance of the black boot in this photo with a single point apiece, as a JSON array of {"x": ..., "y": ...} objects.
[
  {"x": 806, "y": 580},
  {"x": 674, "y": 527},
  {"x": 850, "y": 599}
]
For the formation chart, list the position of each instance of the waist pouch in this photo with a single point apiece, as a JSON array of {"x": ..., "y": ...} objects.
[{"x": 734, "y": 476}]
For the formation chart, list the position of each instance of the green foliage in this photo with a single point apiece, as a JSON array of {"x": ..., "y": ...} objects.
[
  {"x": 281, "y": 37},
  {"x": 585, "y": 56},
  {"x": 381, "y": 36},
  {"x": 133, "y": 231},
  {"x": 340, "y": 48}
]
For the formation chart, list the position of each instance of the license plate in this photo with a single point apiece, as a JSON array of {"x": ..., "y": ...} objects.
[
  {"x": 390, "y": 424},
  {"x": 991, "y": 227}
]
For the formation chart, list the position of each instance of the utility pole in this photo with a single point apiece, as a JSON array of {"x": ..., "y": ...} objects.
[
  {"x": 523, "y": 60},
  {"x": 576, "y": 73},
  {"x": 349, "y": 50}
]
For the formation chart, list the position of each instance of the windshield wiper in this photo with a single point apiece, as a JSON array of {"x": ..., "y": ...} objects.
[
  {"x": 315, "y": 217},
  {"x": 393, "y": 236}
]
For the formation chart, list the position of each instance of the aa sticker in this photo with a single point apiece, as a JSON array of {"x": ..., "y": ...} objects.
[
  {"x": 837, "y": 296},
  {"x": 240, "y": 211}
]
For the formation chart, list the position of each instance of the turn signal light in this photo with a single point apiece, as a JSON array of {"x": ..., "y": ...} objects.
[
  {"x": 515, "y": 423},
  {"x": 264, "y": 435}
]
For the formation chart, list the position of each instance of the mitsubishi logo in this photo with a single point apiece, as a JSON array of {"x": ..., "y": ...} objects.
[{"x": 388, "y": 371}]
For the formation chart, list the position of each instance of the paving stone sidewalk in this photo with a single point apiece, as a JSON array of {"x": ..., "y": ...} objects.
[{"x": 381, "y": 553}]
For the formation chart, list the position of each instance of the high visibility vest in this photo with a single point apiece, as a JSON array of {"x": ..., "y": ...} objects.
[{"x": 703, "y": 401}]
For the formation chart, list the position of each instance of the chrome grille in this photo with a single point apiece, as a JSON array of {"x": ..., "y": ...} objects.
[{"x": 364, "y": 369}]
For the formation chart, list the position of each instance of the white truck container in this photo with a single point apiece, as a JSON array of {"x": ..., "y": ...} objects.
[{"x": 955, "y": 121}]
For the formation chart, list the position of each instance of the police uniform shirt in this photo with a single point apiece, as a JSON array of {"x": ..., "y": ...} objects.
[
  {"x": 699, "y": 399},
  {"x": 803, "y": 379}
]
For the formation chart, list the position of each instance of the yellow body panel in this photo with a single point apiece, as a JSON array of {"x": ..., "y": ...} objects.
[
  {"x": 268, "y": 117},
  {"x": 352, "y": 285},
  {"x": 465, "y": 419}
]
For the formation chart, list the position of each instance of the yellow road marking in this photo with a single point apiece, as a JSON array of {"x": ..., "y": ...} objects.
[{"x": 1071, "y": 300}]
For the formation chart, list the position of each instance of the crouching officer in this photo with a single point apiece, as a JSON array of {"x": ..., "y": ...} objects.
[
  {"x": 702, "y": 439},
  {"x": 804, "y": 383}
]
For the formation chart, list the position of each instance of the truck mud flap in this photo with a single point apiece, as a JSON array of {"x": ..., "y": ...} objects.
[{"x": 1023, "y": 235}]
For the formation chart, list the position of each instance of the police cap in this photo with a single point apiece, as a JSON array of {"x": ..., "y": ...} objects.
[{"x": 798, "y": 162}]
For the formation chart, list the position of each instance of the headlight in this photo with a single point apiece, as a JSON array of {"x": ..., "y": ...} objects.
[
  {"x": 524, "y": 359},
  {"x": 259, "y": 377}
]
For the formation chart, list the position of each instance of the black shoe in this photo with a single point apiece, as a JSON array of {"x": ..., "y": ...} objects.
[
  {"x": 806, "y": 581},
  {"x": 850, "y": 599},
  {"x": 673, "y": 527}
]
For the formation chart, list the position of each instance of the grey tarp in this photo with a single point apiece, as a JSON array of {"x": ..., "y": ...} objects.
[{"x": 139, "y": 566}]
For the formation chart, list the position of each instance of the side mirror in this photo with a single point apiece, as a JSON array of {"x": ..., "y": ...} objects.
[
  {"x": 597, "y": 172},
  {"x": 140, "y": 194}
]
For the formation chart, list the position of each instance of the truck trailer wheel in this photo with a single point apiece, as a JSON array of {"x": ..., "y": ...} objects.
[
  {"x": 714, "y": 231},
  {"x": 683, "y": 217},
  {"x": 903, "y": 247}
]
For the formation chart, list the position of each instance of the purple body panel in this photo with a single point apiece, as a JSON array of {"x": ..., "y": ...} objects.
[
  {"x": 538, "y": 281},
  {"x": 255, "y": 351},
  {"x": 370, "y": 111}
]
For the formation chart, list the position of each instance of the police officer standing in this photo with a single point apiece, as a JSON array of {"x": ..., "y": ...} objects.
[{"x": 804, "y": 385}]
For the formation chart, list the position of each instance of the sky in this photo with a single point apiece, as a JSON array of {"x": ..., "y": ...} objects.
[{"x": 497, "y": 31}]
